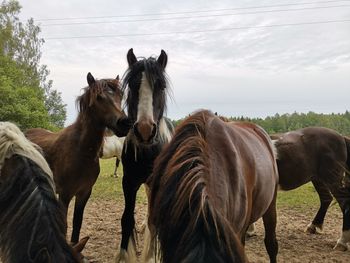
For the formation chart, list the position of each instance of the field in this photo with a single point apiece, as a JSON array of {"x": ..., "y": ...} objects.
[{"x": 295, "y": 210}]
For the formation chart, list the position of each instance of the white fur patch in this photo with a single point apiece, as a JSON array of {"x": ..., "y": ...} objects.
[
  {"x": 145, "y": 106},
  {"x": 342, "y": 241},
  {"x": 112, "y": 147},
  {"x": 164, "y": 131},
  {"x": 127, "y": 256},
  {"x": 314, "y": 229},
  {"x": 13, "y": 141}
]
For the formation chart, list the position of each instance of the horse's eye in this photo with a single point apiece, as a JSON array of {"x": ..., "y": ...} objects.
[{"x": 111, "y": 91}]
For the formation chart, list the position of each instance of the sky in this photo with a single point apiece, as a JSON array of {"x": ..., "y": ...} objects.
[{"x": 238, "y": 58}]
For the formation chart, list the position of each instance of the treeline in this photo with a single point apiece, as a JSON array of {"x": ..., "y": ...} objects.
[
  {"x": 26, "y": 95},
  {"x": 289, "y": 122}
]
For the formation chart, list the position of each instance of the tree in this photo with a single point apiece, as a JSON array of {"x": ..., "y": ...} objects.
[
  {"x": 20, "y": 104},
  {"x": 21, "y": 43}
]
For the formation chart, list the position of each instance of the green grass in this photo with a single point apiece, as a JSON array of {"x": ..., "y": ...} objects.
[
  {"x": 302, "y": 198},
  {"x": 109, "y": 188}
]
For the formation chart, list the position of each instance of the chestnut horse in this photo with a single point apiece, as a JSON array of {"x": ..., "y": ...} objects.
[
  {"x": 32, "y": 222},
  {"x": 73, "y": 153},
  {"x": 322, "y": 156},
  {"x": 146, "y": 85},
  {"x": 208, "y": 184}
]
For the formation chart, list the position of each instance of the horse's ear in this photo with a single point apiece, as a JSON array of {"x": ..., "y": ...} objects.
[
  {"x": 90, "y": 79},
  {"x": 117, "y": 78},
  {"x": 162, "y": 59},
  {"x": 78, "y": 247},
  {"x": 131, "y": 57}
]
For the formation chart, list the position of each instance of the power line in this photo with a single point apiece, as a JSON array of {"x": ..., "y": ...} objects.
[
  {"x": 203, "y": 31},
  {"x": 193, "y": 17},
  {"x": 192, "y": 12}
]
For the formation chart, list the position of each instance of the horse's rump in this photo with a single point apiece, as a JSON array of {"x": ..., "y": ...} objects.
[{"x": 312, "y": 152}]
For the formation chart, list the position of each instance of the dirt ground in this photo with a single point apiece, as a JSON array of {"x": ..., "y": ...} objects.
[{"x": 102, "y": 224}]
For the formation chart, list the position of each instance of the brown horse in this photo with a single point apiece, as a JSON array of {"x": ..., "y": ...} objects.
[
  {"x": 211, "y": 181},
  {"x": 32, "y": 221},
  {"x": 322, "y": 156},
  {"x": 73, "y": 152}
]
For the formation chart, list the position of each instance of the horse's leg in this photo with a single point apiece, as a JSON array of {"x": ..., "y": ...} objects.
[
  {"x": 343, "y": 197},
  {"x": 316, "y": 227},
  {"x": 270, "y": 221},
  {"x": 251, "y": 230},
  {"x": 128, "y": 246},
  {"x": 65, "y": 200},
  {"x": 331, "y": 173},
  {"x": 80, "y": 202},
  {"x": 115, "y": 175}
]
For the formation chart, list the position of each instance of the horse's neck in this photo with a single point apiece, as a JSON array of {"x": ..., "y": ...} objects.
[{"x": 90, "y": 135}]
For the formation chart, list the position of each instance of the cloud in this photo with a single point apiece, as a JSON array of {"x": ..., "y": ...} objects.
[{"x": 254, "y": 71}]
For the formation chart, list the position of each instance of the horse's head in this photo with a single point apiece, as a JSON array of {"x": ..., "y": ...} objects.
[
  {"x": 146, "y": 97},
  {"x": 102, "y": 102}
]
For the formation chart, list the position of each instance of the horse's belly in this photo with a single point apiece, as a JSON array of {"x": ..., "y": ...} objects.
[{"x": 264, "y": 192}]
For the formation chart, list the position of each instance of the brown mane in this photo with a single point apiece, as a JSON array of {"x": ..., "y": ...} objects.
[{"x": 187, "y": 157}]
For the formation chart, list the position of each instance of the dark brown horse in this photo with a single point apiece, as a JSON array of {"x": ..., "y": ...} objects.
[
  {"x": 72, "y": 153},
  {"x": 146, "y": 85},
  {"x": 32, "y": 221},
  {"x": 208, "y": 184},
  {"x": 322, "y": 156}
]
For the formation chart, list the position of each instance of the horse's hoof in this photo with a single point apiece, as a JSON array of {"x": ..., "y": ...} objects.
[
  {"x": 251, "y": 233},
  {"x": 340, "y": 247},
  {"x": 314, "y": 229}
]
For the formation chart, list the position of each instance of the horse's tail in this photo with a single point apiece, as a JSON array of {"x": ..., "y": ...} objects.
[{"x": 188, "y": 223}]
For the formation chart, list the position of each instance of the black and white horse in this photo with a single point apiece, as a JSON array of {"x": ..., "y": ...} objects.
[
  {"x": 112, "y": 146},
  {"x": 32, "y": 221},
  {"x": 145, "y": 85}
]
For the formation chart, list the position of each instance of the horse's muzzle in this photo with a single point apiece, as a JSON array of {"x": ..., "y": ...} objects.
[
  {"x": 122, "y": 126},
  {"x": 145, "y": 131}
]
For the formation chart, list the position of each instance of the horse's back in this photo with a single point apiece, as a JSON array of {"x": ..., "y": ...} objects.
[{"x": 43, "y": 138}]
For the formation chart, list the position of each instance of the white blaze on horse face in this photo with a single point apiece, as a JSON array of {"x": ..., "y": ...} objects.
[{"x": 145, "y": 106}]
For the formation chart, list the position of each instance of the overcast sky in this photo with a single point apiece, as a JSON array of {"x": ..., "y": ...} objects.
[{"x": 237, "y": 60}]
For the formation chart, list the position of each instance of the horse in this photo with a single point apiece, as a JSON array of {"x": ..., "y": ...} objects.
[
  {"x": 32, "y": 222},
  {"x": 73, "y": 152},
  {"x": 322, "y": 156},
  {"x": 112, "y": 146},
  {"x": 145, "y": 85},
  {"x": 209, "y": 183}
]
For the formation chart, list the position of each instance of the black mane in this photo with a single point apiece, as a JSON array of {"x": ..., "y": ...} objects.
[{"x": 32, "y": 223}]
